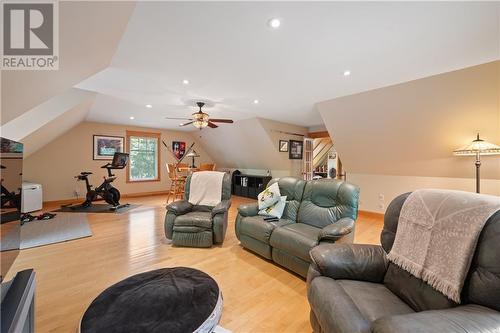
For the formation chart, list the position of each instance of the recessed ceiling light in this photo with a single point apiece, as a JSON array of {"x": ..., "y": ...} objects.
[
  {"x": 274, "y": 23},
  {"x": 347, "y": 73},
  {"x": 186, "y": 82},
  {"x": 255, "y": 101},
  {"x": 131, "y": 118},
  {"x": 149, "y": 106}
]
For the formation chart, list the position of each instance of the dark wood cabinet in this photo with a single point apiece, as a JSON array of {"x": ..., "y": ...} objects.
[{"x": 249, "y": 185}]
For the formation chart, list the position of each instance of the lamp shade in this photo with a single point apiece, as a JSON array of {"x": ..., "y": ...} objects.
[
  {"x": 478, "y": 146},
  {"x": 192, "y": 154}
]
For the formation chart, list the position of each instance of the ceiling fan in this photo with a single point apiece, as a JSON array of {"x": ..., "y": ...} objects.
[{"x": 201, "y": 119}]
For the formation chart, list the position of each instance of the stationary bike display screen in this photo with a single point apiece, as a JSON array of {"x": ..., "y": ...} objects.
[{"x": 119, "y": 160}]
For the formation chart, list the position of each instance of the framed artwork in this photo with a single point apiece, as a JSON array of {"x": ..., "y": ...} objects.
[
  {"x": 283, "y": 146},
  {"x": 296, "y": 148},
  {"x": 105, "y": 146},
  {"x": 179, "y": 149}
]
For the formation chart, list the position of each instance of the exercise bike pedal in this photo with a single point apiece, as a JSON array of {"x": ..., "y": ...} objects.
[{"x": 115, "y": 208}]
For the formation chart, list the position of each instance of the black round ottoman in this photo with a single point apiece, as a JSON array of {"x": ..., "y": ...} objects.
[{"x": 174, "y": 300}]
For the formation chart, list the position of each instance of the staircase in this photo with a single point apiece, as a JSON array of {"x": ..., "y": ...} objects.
[{"x": 321, "y": 148}]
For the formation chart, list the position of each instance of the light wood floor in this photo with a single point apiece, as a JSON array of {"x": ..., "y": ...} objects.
[{"x": 259, "y": 296}]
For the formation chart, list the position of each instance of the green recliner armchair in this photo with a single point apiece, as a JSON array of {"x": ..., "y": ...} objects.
[
  {"x": 317, "y": 211},
  {"x": 195, "y": 225}
]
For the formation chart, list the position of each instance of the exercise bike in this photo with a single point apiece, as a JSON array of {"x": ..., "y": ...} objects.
[{"x": 106, "y": 190}]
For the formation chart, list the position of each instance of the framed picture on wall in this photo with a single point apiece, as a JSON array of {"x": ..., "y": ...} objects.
[
  {"x": 179, "y": 149},
  {"x": 296, "y": 148},
  {"x": 105, "y": 146},
  {"x": 283, "y": 146}
]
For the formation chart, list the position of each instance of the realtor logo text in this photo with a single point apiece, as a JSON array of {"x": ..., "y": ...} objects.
[{"x": 30, "y": 36}]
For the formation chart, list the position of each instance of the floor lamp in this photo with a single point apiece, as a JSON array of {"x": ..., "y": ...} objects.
[{"x": 477, "y": 148}]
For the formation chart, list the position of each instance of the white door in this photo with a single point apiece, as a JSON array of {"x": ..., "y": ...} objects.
[{"x": 308, "y": 159}]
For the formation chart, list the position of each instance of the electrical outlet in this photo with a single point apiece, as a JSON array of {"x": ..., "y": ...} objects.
[
  {"x": 381, "y": 197},
  {"x": 76, "y": 193},
  {"x": 381, "y": 206}
]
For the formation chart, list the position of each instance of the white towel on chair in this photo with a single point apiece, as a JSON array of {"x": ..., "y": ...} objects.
[{"x": 205, "y": 188}]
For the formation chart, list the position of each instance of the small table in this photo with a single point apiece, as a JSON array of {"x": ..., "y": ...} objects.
[
  {"x": 188, "y": 169},
  {"x": 178, "y": 299}
]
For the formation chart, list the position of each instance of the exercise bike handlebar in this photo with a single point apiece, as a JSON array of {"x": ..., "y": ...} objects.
[{"x": 112, "y": 167}]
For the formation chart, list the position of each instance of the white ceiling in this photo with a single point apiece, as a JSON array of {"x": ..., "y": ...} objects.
[{"x": 230, "y": 55}]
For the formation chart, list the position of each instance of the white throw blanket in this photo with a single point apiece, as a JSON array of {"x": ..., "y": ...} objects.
[
  {"x": 205, "y": 188},
  {"x": 437, "y": 236}
]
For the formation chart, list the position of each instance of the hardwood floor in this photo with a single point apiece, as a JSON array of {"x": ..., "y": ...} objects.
[{"x": 259, "y": 296}]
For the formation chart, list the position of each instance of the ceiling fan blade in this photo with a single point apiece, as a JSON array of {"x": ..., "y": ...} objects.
[
  {"x": 212, "y": 125},
  {"x": 185, "y": 124},
  {"x": 174, "y": 118},
  {"x": 229, "y": 121}
]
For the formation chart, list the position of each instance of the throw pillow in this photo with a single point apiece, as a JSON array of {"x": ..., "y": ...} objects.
[
  {"x": 275, "y": 210},
  {"x": 269, "y": 196}
]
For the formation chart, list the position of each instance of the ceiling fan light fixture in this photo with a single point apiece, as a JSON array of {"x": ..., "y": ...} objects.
[{"x": 200, "y": 120}]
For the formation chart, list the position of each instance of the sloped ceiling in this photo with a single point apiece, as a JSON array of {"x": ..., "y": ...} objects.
[
  {"x": 41, "y": 115},
  {"x": 57, "y": 127},
  {"x": 89, "y": 33},
  {"x": 231, "y": 56},
  {"x": 412, "y": 128},
  {"x": 250, "y": 144}
]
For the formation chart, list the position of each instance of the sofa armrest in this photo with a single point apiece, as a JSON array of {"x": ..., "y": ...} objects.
[
  {"x": 221, "y": 207},
  {"x": 251, "y": 209},
  {"x": 180, "y": 207},
  {"x": 461, "y": 319},
  {"x": 350, "y": 261},
  {"x": 333, "y": 232}
]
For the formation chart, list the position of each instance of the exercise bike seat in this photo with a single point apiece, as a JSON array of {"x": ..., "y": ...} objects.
[{"x": 85, "y": 173}]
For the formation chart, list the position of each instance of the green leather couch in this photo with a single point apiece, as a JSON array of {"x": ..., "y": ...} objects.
[
  {"x": 317, "y": 211},
  {"x": 198, "y": 226}
]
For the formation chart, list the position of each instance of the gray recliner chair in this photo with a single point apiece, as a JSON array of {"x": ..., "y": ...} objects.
[
  {"x": 352, "y": 288},
  {"x": 198, "y": 226},
  {"x": 316, "y": 211}
]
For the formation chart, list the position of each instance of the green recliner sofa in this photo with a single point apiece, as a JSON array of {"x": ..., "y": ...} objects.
[
  {"x": 198, "y": 226},
  {"x": 316, "y": 211}
]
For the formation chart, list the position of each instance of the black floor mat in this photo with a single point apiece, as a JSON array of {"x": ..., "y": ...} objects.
[{"x": 96, "y": 208}]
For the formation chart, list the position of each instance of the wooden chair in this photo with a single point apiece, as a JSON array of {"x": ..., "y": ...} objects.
[
  {"x": 177, "y": 183},
  {"x": 207, "y": 167}
]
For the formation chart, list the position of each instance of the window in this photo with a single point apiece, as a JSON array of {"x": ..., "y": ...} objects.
[{"x": 144, "y": 156}]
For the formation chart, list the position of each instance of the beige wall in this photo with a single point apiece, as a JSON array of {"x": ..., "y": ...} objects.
[
  {"x": 55, "y": 165},
  {"x": 377, "y": 191},
  {"x": 400, "y": 138},
  {"x": 411, "y": 129}
]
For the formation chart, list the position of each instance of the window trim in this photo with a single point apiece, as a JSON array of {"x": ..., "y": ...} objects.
[{"x": 130, "y": 134}]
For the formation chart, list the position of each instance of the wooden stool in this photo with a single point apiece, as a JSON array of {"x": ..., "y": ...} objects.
[{"x": 176, "y": 183}]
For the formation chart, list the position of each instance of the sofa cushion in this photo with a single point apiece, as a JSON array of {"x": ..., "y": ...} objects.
[
  {"x": 351, "y": 306},
  {"x": 297, "y": 239},
  {"x": 292, "y": 188},
  {"x": 256, "y": 227},
  {"x": 194, "y": 219},
  {"x": 374, "y": 300},
  {"x": 327, "y": 200}
]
